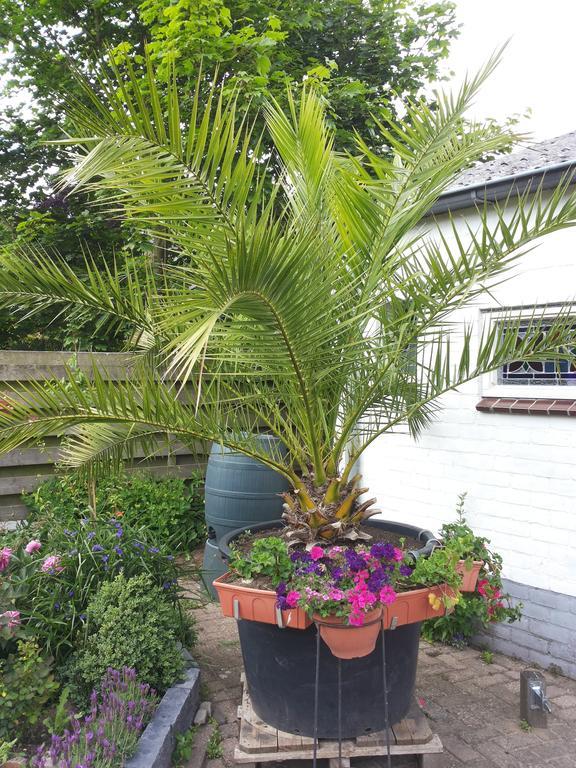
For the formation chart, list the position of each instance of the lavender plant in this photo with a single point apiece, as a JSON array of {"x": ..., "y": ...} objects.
[{"x": 108, "y": 734}]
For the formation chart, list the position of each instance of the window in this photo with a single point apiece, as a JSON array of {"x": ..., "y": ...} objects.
[
  {"x": 544, "y": 388},
  {"x": 543, "y": 373}
]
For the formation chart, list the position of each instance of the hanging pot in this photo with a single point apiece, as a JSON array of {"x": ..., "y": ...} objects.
[{"x": 347, "y": 641}]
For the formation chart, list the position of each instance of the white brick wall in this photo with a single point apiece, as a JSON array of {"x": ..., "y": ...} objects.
[{"x": 519, "y": 471}]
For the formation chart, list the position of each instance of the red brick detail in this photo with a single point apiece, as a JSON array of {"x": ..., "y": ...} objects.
[{"x": 538, "y": 406}]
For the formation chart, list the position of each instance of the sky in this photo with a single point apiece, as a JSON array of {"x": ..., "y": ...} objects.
[{"x": 537, "y": 71}]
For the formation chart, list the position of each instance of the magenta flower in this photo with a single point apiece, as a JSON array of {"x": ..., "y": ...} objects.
[
  {"x": 5, "y": 555},
  {"x": 13, "y": 618},
  {"x": 316, "y": 553},
  {"x": 292, "y": 599},
  {"x": 52, "y": 565},
  {"x": 32, "y": 546},
  {"x": 387, "y": 595},
  {"x": 398, "y": 554}
]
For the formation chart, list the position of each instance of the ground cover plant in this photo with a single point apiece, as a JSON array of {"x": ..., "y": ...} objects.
[{"x": 302, "y": 289}]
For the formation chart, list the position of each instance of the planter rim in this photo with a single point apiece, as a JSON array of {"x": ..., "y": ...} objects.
[{"x": 430, "y": 542}]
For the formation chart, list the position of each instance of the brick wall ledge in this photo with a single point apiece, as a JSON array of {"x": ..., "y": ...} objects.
[{"x": 535, "y": 406}]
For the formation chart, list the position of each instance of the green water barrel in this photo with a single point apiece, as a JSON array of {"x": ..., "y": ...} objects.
[{"x": 241, "y": 491}]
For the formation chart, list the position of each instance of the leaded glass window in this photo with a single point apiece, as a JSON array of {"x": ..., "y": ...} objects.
[{"x": 546, "y": 372}]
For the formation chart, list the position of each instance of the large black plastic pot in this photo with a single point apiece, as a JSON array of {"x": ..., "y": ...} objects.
[{"x": 280, "y": 669}]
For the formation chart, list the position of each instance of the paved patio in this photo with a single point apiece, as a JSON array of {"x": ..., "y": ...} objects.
[{"x": 473, "y": 706}]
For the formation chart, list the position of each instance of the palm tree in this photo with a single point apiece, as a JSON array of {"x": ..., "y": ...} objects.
[{"x": 299, "y": 293}]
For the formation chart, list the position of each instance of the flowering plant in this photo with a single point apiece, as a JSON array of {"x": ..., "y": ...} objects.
[
  {"x": 342, "y": 581},
  {"x": 108, "y": 734}
]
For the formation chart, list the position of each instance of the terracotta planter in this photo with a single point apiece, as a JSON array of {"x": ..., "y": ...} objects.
[
  {"x": 414, "y": 606},
  {"x": 250, "y": 604},
  {"x": 469, "y": 574},
  {"x": 349, "y": 642}
]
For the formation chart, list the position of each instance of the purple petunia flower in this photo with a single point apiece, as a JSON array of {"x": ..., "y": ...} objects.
[
  {"x": 405, "y": 570},
  {"x": 354, "y": 560},
  {"x": 382, "y": 550}
]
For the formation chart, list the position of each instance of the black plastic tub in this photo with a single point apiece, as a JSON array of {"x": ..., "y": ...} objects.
[{"x": 280, "y": 669}]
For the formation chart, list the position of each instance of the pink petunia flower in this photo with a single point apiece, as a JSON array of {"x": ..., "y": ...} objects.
[
  {"x": 5, "y": 555},
  {"x": 316, "y": 553},
  {"x": 13, "y": 618},
  {"x": 292, "y": 598},
  {"x": 52, "y": 565},
  {"x": 32, "y": 546},
  {"x": 387, "y": 595},
  {"x": 398, "y": 554}
]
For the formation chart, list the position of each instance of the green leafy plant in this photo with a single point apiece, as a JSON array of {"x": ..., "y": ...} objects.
[
  {"x": 170, "y": 510},
  {"x": 487, "y": 657},
  {"x": 440, "y": 568},
  {"x": 26, "y": 685},
  {"x": 129, "y": 624},
  {"x": 299, "y": 288},
  {"x": 267, "y": 557},
  {"x": 525, "y": 726},
  {"x": 61, "y": 715},
  {"x": 50, "y": 586},
  {"x": 214, "y": 745},
  {"x": 184, "y": 747},
  {"x": 6, "y": 748},
  {"x": 488, "y": 603}
]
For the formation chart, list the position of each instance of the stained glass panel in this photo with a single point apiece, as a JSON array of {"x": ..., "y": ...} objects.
[{"x": 547, "y": 372}]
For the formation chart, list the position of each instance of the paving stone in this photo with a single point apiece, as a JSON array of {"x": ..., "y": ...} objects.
[
  {"x": 460, "y": 749},
  {"x": 565, "y": 701}
]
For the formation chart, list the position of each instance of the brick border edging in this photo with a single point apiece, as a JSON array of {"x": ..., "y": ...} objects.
[
  {"x": 174, "y": 715},
  {"x": 537, "y": 406}
]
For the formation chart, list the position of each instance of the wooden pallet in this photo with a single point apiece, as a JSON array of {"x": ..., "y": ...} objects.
[{"x": 261, "y": 743}]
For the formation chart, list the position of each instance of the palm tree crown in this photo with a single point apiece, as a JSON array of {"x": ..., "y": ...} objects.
[{"x": 297, "y": 293}]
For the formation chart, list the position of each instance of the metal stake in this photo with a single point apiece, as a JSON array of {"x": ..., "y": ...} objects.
[
  {"x": 316, "y": 696},
  {"x": 386, "y": 713},
  {"x": 339, "y": 713}
]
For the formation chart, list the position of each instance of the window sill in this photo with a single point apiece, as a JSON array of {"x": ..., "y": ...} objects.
[{"x": 534, "y": 406}]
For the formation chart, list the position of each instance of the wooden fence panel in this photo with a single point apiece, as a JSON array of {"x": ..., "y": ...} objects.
[{"x": 24, "y": 470}]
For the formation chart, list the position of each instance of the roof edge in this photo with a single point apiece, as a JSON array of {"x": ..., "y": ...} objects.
[{"x": 493, "y": 190}]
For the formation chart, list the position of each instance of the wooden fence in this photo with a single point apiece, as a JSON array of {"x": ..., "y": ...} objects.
[{"x": 24, "y": 470}]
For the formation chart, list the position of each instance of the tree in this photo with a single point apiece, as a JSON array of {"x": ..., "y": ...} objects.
[{"x": 312, "y": 302}]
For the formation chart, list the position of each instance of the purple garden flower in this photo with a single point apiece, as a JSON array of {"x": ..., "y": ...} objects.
[
  {"x": 354, "y": 560},
  {"x": 97, "y": 548},
  {"x": 382, "y": 550}
]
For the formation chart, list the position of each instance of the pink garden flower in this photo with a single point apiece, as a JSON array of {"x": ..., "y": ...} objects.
[
  {"x": 13, "y": 618},
  {"x": 316, "y": 553},
  {"x": 52, "y": 565},
  {"x": 5, "y": 555},
  {"x": 398, "y": 554},
  {"x": 387, "y": 595},
  {"x": 292, "y": 599},
  {"x": 32, "y": 546}
]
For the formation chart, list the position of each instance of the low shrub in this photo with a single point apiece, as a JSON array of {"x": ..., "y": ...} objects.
[
  {"x": 26, "y": 685},
  {"x": 130, "y": 623},
  {"x": 50, "y": 581},
  {"x": 109, "y": 733},
  {"x": 171, "y": 510},
  {"x": 475, "y": 610}
]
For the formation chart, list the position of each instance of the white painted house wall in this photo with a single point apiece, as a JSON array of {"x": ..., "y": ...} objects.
[{"x": 519, "y": 470}]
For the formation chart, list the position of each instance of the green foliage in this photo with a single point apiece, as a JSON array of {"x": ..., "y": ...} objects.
[
  {"x": 487, "y": 604},
  {"x": 214, "y": 745},
  {"x": 268, "y": 557},
  {"x": 6, "y": 748},
  {"x": 26, "y": 685},
  {"x": 487, "y": 657},
  {"x": 184, "y": 747},
  {"x": 53, "y": 603},
  {"x": 170, "y": 510},
  {"x": 362, "y": 54},
  {"x": 309, "y": 290},
  {"x": 61, "y": 716},
  {"x": 439, "y": 567},
  {"x": 130, "y": 624},
  {"x": 525, "y": 726}
]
